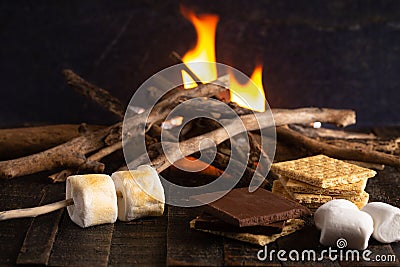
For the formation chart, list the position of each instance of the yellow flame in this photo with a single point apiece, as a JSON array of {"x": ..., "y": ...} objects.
[
  {"x": 204, "y": 51},
  {"x": 249, "y": 95}
]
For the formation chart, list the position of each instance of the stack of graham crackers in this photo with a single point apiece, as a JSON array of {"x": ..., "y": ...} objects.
[{"x": 313, "y": 181}]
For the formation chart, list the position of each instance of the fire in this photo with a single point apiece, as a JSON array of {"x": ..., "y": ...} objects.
[
  {"x": 204, "y": 51},
  {"x": 251, "y": 94}
]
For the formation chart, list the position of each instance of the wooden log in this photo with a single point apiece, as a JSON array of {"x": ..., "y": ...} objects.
[
  {"x": 97, "y": 94},
  {"x": 63, "y": 175},
  {"x": 251, "y": 122},
  {"x": 18, "y": 142},
  {"x": 319, "y": 147},
  {"x": 69, "y": 155},
  {"x": 72, "y": 153},
  {"x": 387, "y": 146},
  {"x": 331, "y": 133}
]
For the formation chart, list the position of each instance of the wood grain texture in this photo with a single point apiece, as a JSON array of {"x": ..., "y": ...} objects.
[
  {"x": 18, "y": 142},
  {"x": 81, "y": 246},
  {"x": 238, "y": 253},
  {"x": 141, "y": 242},
  {"x": 13, "y": 195},
  {"x": 41, "y": 234},
  {"x": 187, "y": 247}
]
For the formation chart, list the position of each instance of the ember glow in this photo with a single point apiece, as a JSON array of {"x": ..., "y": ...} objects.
[
  {"x": 204, "y": 51},
  {"x": 248, "y": 95}
]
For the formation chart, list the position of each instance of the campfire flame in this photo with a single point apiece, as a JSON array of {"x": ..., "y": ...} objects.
[
  {"x": 249, "y": 95},
  {"x": 204, "y": 51}
]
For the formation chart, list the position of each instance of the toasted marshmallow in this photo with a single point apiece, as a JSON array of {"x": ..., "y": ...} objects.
[
  {"x": 341, "y": 219},
  {"x": 95, "y": 199},
  {"x": 386, "y": 221},
  {"x": 142, "y": 193}
]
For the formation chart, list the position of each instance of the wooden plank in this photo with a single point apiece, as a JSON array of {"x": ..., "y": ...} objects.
[
  {"x": 238, "y": 253},
  {"x": 396, "y": 249},
  {"x": 141, "y": 242},
  {"x": 187, "y": 247},
  {"x": 39, "y": 239},
  {"x": 17, "y": 193},
  {"x": 81, "y": 246},
  {"x": 306, "y": 239}
]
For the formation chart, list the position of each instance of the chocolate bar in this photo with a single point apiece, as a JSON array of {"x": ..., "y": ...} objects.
[
  {"x": 261, "y": 207},
  {"x": 208, "y": 222}
]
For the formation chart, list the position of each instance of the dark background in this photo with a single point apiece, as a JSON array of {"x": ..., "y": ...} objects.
[{"x": 340, "y": 54}]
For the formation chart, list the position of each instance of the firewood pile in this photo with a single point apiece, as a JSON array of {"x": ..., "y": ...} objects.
[{"x": 72, "y": 149}]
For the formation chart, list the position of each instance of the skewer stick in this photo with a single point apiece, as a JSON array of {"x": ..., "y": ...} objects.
[{"x": 34, "y": 212}]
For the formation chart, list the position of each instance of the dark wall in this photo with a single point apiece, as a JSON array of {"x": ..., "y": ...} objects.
[{"x": 340, "y": 54}]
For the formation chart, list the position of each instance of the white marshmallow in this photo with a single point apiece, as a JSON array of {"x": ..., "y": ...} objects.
[
  {"x": 386, "y": 221},
  {"x": 95, "y": 199},
  {"x": 341, "y": 218},
  {"x": 142, "y": 193}
]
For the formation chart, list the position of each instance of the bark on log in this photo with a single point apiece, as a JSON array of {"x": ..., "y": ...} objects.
[
  {"x": 251, "y": 123},
  {"x": 330, "y": 133},
  {"x": 18, "y": 142},
  {"x": 97, "y": 94},
  {"x": 319, "y": 147},
  {"x": 72, "y": 153}
]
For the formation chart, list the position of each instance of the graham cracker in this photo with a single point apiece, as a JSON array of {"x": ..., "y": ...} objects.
[
  {"x": 294, "y": 186},
  {"x": 279, "y": 189},
  {"x": 314, "y": 198},
  {"x": 322, "y": 171},
  {"x": 315, "y": 206},
  {"x": 291, "y": 226},
  {"x": 313, "y": 201}
]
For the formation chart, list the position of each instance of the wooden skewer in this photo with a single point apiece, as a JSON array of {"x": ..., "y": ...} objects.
[{"x": 36, "y": 211}]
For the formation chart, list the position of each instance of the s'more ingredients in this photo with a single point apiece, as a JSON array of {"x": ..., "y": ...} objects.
[
  {"x": 386, "y": 221},
  {"x": 94, "y": 199},
  {"x": 341, "y": 219}
]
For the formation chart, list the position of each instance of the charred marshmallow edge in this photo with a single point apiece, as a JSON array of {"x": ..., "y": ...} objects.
[
  {"x": 142, "y": 193},
  {"x": 341, "y": 219},
  {"x": 386, "y": 221}
]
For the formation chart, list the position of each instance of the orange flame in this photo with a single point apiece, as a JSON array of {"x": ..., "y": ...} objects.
[
  {"x": 204, "y": 51},
  {"x": 251, "y": 94}
]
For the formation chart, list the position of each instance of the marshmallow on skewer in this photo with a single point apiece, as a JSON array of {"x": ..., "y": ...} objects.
[
  {"x": 386, "y": 221},
  {"x": 142, "y": 193},
  {"x": 95, "y": 199},
  {"x": 341, "y": 219}
]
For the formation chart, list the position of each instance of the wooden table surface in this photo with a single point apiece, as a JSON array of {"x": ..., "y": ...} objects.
[{"x": 55, "y": 240}]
